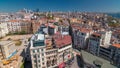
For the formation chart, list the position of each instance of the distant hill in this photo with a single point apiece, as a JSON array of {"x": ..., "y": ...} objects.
[{"x": 116, "y": 15}]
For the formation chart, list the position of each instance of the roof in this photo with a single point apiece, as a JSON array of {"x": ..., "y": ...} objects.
[
  {"x": 48, "y": 43},
  {"x": 96, "y": 34},
  {"x": 13, "y": 20},
  {"x": 81, "y": 28},
  {"x": 116, "y": 45},
  {"x": 62, "y": 40}
]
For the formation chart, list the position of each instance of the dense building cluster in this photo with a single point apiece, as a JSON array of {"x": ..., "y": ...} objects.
[
  {"x": 50, "y": 46},
  {"x": 57, "y": 33}
]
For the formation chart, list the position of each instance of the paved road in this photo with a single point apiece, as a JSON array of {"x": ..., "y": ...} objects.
[
  {"x": 77, "y": 62},
  {"x": 74, "y": 64}
]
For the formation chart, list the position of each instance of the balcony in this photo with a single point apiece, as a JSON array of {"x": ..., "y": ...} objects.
[{"x": 48, "y": 55}]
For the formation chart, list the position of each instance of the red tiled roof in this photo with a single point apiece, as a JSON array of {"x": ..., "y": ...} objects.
[
  {"x": 116, "y": 45},
  {"x": 13, "y": 20},
  {"x": 96, "y": 34},
  {"x": 82, "y": 29},
  {"x": 62, "y": 40},
  {"x": 52, "y": 26}
]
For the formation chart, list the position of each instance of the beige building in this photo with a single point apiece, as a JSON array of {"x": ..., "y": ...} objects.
[
  {"x": 3, "y": 29},
  {"x": 14, "y": 26},
  {"x": 7, "y": 48},
  {"x": 8, "y": 56}
]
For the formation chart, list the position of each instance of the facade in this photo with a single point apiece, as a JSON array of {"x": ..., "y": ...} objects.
[
  {"x": 35, "y": 26},
  {"x": 19, "y": 26},
  {"x": 105, "y": 52},
  {"x": 37, "y": 51},
  {"x": 64, "y": 29},
  {"x": 14, "y": 26},
  {"x": 49, "y": 50},
  {"x": 115, "y": 55},
  {"x": 26, "y": 26},
  {"x": 64, "y": 47},
  {"x": 94, "y": 44},
  {"x": 7, "y": 49},
  {"x": 3, "y": 29},
  {"x": 51, "y": 57},
  {"x": 80, "y": 36},
  {"x": 98, "y": 39}
]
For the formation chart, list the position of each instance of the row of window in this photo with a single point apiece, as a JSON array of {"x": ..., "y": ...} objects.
[
  {"x": 51, "y": 52},
  {"x": 35, "y": 65},
  {"x": 38, "y": 50},
  {"x": 35, "y": 56}
]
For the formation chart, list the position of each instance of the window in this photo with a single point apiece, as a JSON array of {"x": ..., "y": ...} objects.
[
  {"x": 39, "y": 65},
  {"x": 39, "y": 61},
  {"x": 41, "y": 49},
  {"x": 43, "y": 63},
  {"x": 42, "y": 59},
  {"x": 42, "y": 54},
  {"x": 82, "y": 33},
  {"x": 34, "y": 61},
  {"x": 38, "y": 50},
  {"x": 34, "y": 56},
  {"x": 33, "y": 51},
  {"x": 38, "y": 56}
]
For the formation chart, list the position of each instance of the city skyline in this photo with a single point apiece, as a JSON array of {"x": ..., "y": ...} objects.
[{"x": 61, "y": 5}]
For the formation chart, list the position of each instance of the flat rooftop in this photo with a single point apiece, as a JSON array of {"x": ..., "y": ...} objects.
[{"x": 62, "y": 40}]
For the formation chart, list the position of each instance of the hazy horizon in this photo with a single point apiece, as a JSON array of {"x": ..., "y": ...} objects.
[{"x": 61, "y": 5}]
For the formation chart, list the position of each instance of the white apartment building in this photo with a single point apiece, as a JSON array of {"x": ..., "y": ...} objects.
[
  {"x": 37, "y": 51},
  {"x": 3, "y": 29},
  {"x": 44, "y": 54}
]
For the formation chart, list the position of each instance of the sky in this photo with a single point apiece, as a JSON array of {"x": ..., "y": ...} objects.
[{"x": 61, "y": 5}]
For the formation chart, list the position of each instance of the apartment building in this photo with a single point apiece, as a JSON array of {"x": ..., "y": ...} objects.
[
  {"x": 35, "y": 26},
  {"x": 3, "y": 29},
  {"x": 98, "y": 39},
  {"x": 48, "y": 51},
  {"x": 26, "y": 26},
  {"x": 115, "y": 55},
  {"x": 106, "y": 52},
  {"x": 80, "y": 36},
  {"x": 45, "y": 54},
  {"x": 37, "y": 51},
  {"x": 14, "y": 26},
  {"x": 51, "y": 53},
  {"x": 19, "y": 26},
  {"x": 64, "y": 46}
]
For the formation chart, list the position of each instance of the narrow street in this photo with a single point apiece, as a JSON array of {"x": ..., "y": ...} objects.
[
  {"x": 74, "y": 64},
  {"x": 77, "y": 62}
]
